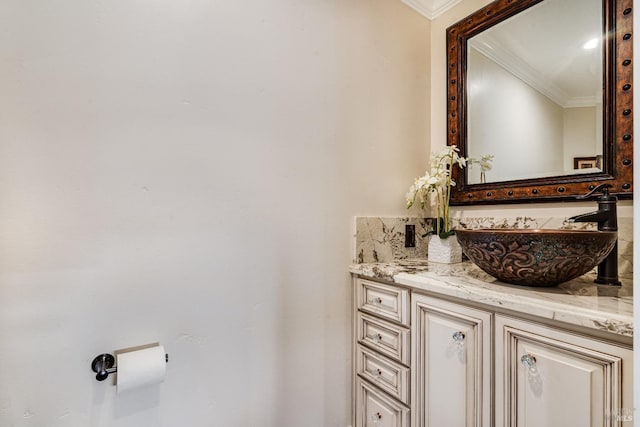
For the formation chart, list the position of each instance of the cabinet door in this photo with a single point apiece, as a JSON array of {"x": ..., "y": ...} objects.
[
  {"x": 451, "y": 371},
  {"x": 548, "y": 377},
  {"x": 375, "y": 409}
]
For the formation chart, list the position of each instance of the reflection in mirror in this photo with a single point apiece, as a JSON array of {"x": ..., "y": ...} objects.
[
  {"x": 534, "y": 93},
  {"x": 540, "y": 97}
]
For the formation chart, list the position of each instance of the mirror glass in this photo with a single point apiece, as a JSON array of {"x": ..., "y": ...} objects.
[
  {"x": 534, "y": 94},
  {"x": 540, "y": 99}
]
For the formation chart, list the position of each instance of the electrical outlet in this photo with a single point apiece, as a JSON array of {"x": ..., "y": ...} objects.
[{"x": 409, "y": 236}]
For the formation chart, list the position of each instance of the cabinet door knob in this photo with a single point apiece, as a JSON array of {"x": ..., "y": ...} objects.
[
  {"x": 528, "y": 361},
  {"x": 458, "y": 337}
]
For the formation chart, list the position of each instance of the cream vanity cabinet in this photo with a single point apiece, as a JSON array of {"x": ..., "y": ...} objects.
[{"x": 470, "y": 366}]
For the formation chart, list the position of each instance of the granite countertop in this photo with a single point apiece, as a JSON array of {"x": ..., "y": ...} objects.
[{"x": 578, "y": 302}]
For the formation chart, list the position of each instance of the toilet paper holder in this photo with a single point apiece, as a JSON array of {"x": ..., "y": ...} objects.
[{"x": 102, "y": 365}]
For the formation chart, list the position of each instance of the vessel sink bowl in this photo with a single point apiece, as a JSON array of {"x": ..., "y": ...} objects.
[{"x": 536, "y": 257}]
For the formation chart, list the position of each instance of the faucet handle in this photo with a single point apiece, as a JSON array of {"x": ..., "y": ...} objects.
[{"x": 602, "y": 189}]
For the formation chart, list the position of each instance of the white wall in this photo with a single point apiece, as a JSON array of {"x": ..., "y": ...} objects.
[
  {"x": 581, "y": 131},
  {"x": 512, "y": 121},
  {"x": 187, "y": 172}
]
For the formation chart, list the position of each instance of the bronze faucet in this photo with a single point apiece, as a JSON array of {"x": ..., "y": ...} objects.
[{"x": 607, "y": 218}]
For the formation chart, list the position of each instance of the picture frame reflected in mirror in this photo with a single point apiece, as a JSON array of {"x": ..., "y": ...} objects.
[{"x": 587, "y": 162}]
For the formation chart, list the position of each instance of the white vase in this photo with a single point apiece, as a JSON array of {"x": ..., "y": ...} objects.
[{"x": 446, "y": 250}]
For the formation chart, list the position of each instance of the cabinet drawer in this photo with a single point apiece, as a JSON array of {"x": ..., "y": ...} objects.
[
  {"x": 390, "y": 376},
  {"x": 375, "y": 409},
  {"x": 387, "y": 338},
  {"x": 383, "y": 300}
]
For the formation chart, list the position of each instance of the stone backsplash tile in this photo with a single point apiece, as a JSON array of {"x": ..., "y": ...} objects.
[{"x": 382, "y": 239}]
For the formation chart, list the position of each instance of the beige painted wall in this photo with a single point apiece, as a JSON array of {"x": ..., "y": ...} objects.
[{"x": 187, "y": 172}]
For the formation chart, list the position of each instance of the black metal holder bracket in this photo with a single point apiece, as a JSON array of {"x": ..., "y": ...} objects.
[{"x": 102, "y": 365}]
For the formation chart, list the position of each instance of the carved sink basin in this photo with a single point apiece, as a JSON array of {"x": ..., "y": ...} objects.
[{"x": 536, "y": 257}]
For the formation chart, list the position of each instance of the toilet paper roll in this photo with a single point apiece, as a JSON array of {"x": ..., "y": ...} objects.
[{"x": 140, "y": 368}]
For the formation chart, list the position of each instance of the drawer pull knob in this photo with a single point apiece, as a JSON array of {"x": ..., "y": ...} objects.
[
  {"x": 379, "y": 372},
  {"x": 378, "y": 337},
  {"x": 528, "y": 361},
  {"x": 376, "y": 301},
  {"x": 458, "y": 337},
  {"x": 376, "y": 417}
]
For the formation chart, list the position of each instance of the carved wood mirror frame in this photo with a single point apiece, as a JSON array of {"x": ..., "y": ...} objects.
[{"x": 617, "y": 110}]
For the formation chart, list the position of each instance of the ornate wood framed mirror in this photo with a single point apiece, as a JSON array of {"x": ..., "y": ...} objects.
[{"x": 540, "y": 96}]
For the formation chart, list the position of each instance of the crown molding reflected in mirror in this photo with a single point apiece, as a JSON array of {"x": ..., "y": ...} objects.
[{"x": 615, "y": 164}]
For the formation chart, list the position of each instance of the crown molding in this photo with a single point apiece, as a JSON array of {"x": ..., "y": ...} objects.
[
  {"x": 431, "y": 9},
  {"x": 493, "y": 50}
]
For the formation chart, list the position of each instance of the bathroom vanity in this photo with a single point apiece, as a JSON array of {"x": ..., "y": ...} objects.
[{"x": 448, "y": 345}]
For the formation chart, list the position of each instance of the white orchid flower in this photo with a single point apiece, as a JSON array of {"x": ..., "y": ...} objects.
[{"x": 434, "y": 187}]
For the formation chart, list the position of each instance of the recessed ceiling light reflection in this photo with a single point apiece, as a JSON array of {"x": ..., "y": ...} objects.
[{"x": 591, "y": 44}]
